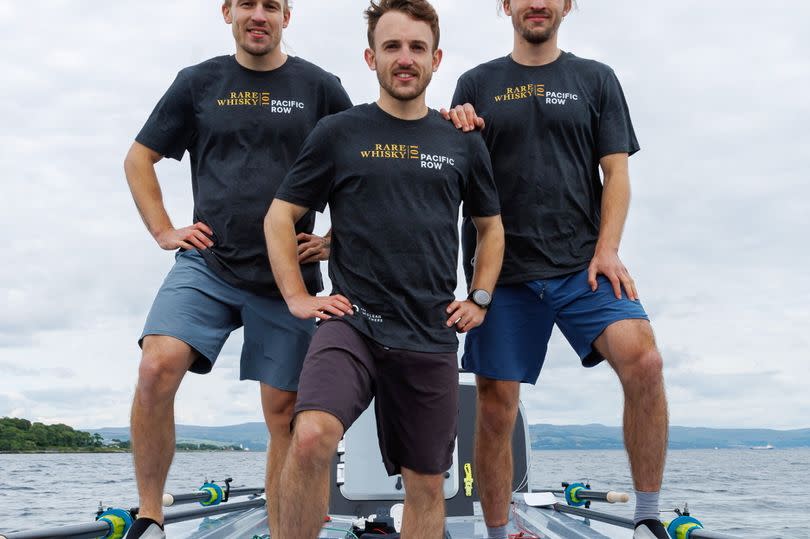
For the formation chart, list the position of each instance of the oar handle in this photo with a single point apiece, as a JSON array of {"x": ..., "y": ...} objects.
[{"x": 610, "y": 496}]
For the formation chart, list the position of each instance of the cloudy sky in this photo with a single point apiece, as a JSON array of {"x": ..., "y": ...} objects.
[{"x": 716, "y": 238}]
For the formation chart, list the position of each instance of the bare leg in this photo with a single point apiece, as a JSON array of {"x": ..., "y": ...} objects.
[
  {"x": 424, "y": 506},
  {"x": 277, "y": 406},
  {"x": 164, "y": 362},
  {"x": 629, "y": 347},
  {"x": 305, "y": 479},
  {"x": 497, "y": 409}
]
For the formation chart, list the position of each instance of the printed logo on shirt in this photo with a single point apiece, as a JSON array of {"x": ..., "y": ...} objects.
[
  {"x": 371, "y": 317},
  {"x": 260, "y": 99},
  {"x": 527, "y": 91},
  {"x": 407, "y": 152}
]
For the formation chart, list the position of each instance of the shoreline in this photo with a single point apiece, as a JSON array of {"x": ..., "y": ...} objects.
[{"x": 63, "y": 451}]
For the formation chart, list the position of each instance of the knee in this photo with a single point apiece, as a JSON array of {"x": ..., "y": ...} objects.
[
  {"x": 644, "y": 367},
  {"x": 424, "y": 489},
  {"x": 315, "y": 440},
  {"x": 159, "y": 374},
  {"x": 279, "y": 422},
  {"x": 498, "y": 406},
  {"x": 278, "y": 413}
]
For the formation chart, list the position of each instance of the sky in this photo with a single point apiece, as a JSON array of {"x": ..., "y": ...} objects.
[{"x": 716, "y": 237}]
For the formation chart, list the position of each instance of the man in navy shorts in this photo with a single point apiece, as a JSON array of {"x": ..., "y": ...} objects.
[
  {"x": 243, "y": 120},
  {"x": 552, "y": 121},
  {"x": 394, "y": 174}
]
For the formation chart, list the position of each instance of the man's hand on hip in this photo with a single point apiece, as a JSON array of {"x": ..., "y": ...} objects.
[
  {"x": 465, "y": 315},
  {"x": 306, "y": 307},
  {"x": 196, "y": 236},
  {"x": 312, "y": 248},
  {"x": 606, "y": 262}
]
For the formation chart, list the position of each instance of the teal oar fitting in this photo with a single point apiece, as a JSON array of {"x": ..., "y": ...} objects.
[
  {"x": 215, "y": 494},
  {"x": 571, "y": 492},
  {"x": 683, "y": 526},
  {"x": 119, "y": 521}
]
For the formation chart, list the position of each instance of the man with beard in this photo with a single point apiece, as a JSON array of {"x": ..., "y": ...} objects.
[
  {"x": 393, "y": 173},
  {"x": 242, "y": 119},
  {"x": 552, "y": 120}
]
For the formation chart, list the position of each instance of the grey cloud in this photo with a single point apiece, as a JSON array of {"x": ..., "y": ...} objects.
[
  {"x": 78, "y": 398},
  {"x": 10, "y": 368}
]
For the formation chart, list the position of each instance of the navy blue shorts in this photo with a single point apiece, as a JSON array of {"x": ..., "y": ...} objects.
[
  {"x": 512, "y": 342},
  {"x": 196, "y": 306}
]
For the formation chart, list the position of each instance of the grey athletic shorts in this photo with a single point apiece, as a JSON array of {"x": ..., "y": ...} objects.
[
  {"x": 197, "y": 307},
  {"x": 416, "y": 394}
]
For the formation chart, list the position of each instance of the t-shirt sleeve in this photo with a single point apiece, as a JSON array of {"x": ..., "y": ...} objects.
[
  {"x": 337, "y": 100},
  {"x": 309, "y": 181},
  {"x": 465, "y": 93},
  {"x": 480, "y": 194},
  {"x": 616, "y": 133},
  {"x": 170, "y": 128}
]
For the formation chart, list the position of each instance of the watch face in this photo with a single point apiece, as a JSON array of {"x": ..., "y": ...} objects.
[{"x": 481, "y": 297}]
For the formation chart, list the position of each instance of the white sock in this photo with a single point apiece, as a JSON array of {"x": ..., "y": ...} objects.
[{"x": 646, "y": 506}]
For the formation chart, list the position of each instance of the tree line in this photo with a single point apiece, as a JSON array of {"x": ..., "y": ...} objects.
[{"x": 22, "y": 435}]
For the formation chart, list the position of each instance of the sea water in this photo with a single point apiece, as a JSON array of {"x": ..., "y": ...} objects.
[{"x": 752, "y": 494}]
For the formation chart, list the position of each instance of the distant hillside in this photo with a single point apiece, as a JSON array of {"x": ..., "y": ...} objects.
[
  {"x": 253, "y": 436},
  {"x": 602, "y": 437}
]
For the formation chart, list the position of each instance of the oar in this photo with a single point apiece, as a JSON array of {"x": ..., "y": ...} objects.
[
  {"x": 579, "y": 494},
  {"x": 609, "y": 496},
  {"x": 102, "y": 529},
  {"x": 205, "y": 496}
]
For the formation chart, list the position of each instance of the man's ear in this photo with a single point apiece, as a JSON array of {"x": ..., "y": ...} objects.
[
  {"x": 437, "y": 59},
  {"x": 226, "y": 12},
  {"x": 287, "y": 15},
  {"x": 371, "y": 59}
]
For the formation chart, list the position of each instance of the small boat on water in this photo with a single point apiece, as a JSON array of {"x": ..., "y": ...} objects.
[
  {"x": 366, "y": 503},
  {"x": 762, "y": 447}
]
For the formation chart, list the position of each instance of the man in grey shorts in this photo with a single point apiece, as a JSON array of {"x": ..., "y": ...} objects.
[
  {"x": 394, "y": 174},
  {"x": 242, "y": 119}
]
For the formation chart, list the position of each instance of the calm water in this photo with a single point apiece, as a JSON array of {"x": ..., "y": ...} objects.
[{"x": 735, "y": 491}]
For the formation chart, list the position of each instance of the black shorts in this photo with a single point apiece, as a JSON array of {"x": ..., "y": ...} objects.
[{"x": 416, "y": 394}]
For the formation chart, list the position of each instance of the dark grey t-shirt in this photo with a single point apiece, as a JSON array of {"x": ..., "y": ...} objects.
[
  {"x": 547, "y": 128},
  {"x": 394, "y": 188},
  {"x": 243, "y": 130}
]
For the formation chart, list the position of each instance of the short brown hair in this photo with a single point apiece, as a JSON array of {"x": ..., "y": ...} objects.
[{"x": 421, "y": 10}]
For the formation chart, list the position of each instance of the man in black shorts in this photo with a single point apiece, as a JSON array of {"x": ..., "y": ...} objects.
[
  {"x": 393, "y": 173},
  {"x": 552, "y": 120},
  {"x": 242, "y": 119}
]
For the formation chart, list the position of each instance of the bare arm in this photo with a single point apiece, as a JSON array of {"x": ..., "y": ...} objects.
[
  {"x": 139, "y": 167},
  {"x": 489, "y": 249},
  {"x": 282, "y": 245},
  {"x": 615, "y": 205}
]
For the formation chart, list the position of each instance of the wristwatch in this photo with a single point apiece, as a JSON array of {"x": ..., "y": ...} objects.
[{"x": 480, "y": 297}]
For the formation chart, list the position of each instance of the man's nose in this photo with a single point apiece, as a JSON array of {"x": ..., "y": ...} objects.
[{"x": 258, "y": 15}]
